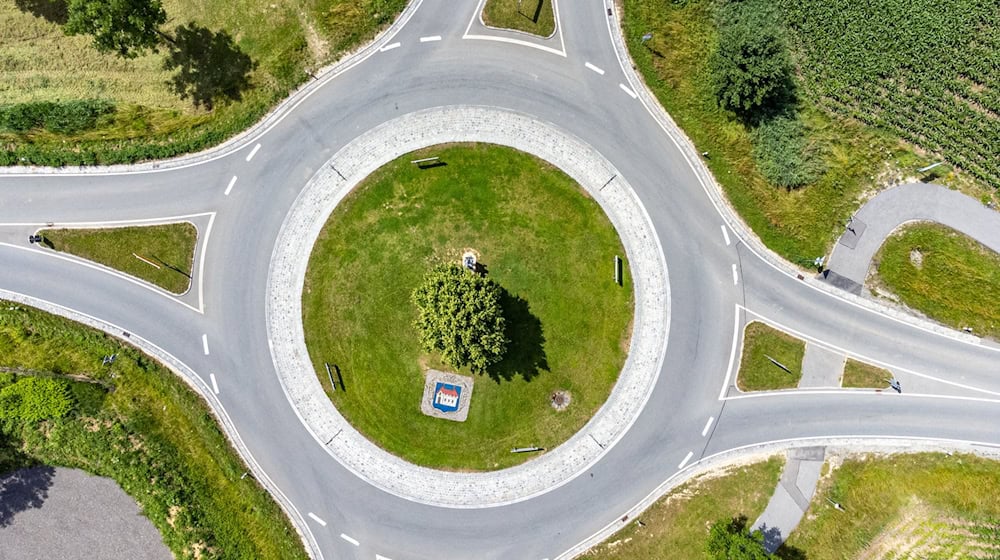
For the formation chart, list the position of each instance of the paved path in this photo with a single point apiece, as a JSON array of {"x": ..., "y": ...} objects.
[
  {"x": 66, "y": 513},
  {"x": 821, "y": 367},
  {"x": 880, "y": 216},
  {"x": 792, "y": 496}
]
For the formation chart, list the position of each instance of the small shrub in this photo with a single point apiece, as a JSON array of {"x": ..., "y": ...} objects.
[
  {"x": 63, "y": 117},
  {"x": 751, "y": 68},
  {"x": 31, "y": 399}
]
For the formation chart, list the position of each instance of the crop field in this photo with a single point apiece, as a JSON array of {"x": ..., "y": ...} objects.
[{"x": 926, "y": 70}]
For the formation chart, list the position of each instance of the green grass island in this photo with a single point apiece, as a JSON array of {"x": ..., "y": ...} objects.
[{"x": 535, "y": 232}]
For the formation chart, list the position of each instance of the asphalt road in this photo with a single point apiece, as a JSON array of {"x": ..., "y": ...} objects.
[{"x": 717, "y": 283}]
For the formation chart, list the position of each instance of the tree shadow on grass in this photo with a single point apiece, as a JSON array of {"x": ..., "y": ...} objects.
[
  {"x": 525, "y": 354},
  {"x": 50, "y": 10},
  {"x": 210, "y": 66},
  {"x": 22, "y": 490}
]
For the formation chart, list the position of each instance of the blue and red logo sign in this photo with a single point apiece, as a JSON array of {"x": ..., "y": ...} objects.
[{"x": 447, "y": 397}]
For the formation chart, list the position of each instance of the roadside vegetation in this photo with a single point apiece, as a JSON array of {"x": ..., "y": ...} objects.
[
  {"x": 114, "y": 93},
  {"x": 677, "y": 525},
  {"x": 761, "y": 344},
  {"x": 548, "y": 247},
  {"x": 802, "y": 107},
  {"x": 927, "y": 505},
  {"x": 135, "y": 422},
  {"x": 162, "y": 255},
  {"x": 944, "y": 274},
  {"x": 531, "y": 16},
  {"x": 863, "y": 375}
]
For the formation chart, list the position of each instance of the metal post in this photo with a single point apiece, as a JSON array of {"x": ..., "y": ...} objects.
[{"x": 618, "y": 270}]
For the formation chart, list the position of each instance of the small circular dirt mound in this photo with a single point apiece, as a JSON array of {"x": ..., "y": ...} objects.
[{"x": 560, "y": 399}]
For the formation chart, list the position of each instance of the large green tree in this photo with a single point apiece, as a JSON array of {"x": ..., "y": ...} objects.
[
  {"x": 729, "y": 539},
  {"x": 125, "y": 27},
  {"x": 751, "y": 68},
  {"x": 461, "y": 316}
]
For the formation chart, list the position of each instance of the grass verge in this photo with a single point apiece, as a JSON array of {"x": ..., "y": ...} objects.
[
  {"x": 531, "y": 16},
  {"x": 676, "y": 526},
  {"x": 799, "y": 224},
  {"x": 540, "y": 237},
  {"x": 863, "y": 375},
  {"x": 173, "y": 101},
  {"x": 944, "y": 274},
  {"x": 757, "y": 372},
  {"x": 140, "y": 425},
  {"x": 167, "y": 250},
  {"x": 927, "y": 505}
]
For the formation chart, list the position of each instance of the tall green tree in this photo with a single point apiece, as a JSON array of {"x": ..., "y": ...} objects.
[
  {"x": 461, "y": 316},
  {"x": 729, "y": 539},
  {"x": 125, "y": 27},
  {"x": 751, "y": 67}
]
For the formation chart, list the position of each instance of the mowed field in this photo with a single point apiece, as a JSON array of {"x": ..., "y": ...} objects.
[{"x": 276, "y": 42}]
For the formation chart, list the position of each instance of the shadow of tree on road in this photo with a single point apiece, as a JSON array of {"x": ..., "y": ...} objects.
[
  {"x": 22, "y": 490},
  {"x": 50, "y": 10},
  {"x": 209, "y": 65}
]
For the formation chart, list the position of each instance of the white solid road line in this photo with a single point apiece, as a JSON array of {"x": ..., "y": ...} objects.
[
  {"x": 736, "y": 277},
  {"x": 594, "y": 68},
  {"x": 215, "y": 386},
  {"x": 389, "y": 47},
  {"x": 626, "y": 89},
  {"x": 725, "y": 234},
  {"x": 380, "y": 557},
  {"x": 686, "y": 459},
  {"x": 204, "y": 343},
  {"x": 708, "y": 425},
  {"x": 431, "y": 38},
  {"x": 253, "y": 152},
  {"x": 349, "y": 539},
  {"x": 732, "y": 353},
  {"x": 230, "y": 187},
  {"x": 317, "y": 519}
]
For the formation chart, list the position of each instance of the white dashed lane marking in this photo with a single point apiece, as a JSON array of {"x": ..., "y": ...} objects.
[
  {"x": 215, "y": 386},
  {"x": 736, "y": 277},
  {"x": 317, "y": 519},
  {"x": 389, "y": 47},
  {"x": 204, "y": 343},
  {"x": 431, "y": 38},
  {"x": 350, "y": 540},
  {"x": 594, "y": 68},
  {"x": 626, "y": 89},
  {"x": 707, "y": 426},
  {"x": 725, "y": 234},
  {"x": 253, "y": 152},
  {"x": 230, "y": 187},
  {"x": 686, "y": 459}
]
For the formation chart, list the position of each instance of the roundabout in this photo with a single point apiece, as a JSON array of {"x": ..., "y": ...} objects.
[{"x": 288, "y": 273}]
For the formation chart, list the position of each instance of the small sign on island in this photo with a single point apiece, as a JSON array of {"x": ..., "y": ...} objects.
[{"x": 446, "y": 395}]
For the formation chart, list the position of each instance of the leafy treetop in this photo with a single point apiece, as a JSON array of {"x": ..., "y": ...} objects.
[{"x": 124, "y": 27}]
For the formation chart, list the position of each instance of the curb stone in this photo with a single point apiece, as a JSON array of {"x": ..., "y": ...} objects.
[{"x": 359, "y": 159}]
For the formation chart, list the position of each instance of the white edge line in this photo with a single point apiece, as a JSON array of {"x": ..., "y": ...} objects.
[
  {"x": 515, "y": 42},
  {"x": 863, "y": 358},
  {"x": 349, "y": 539},
  {"x": 230, "y": 186},
  {"x": 430, "y": 38},
  {"x": 708, "y": 425},
  {"x": 627, "y": 90},
  {"x": 253, "y": 152},
  {"x": 215, "y": 385},
  {"x": 218, "y": 409},
  {"x": 725, "y": 234},
  {"x": 316, "y": 518},
  {"x": 201, "y": 265},
  {"x": 594, "y": 68},
  {"x": 107, "y": 223},
  {"x": 685, "y": 461},
  {"x": 204, "y": 343},
  {"x": 380, "y": 557},
  {"x": 106, "y": 270},
  {"x": 559, "y": 29},
  {"x": 736, "y": 276},
  {"x": 732, "y": 353},
  {"x": 389, "y": 47}
]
